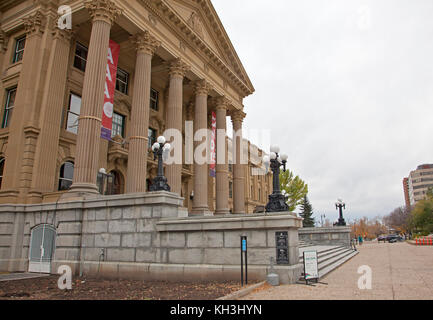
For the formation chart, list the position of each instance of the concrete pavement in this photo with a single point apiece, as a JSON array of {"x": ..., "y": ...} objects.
[{"x": 399, "y": 271}]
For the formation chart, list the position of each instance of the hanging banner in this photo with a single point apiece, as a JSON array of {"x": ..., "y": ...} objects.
[
  {"x": 213, "y": 147},
  {"x": 110, "y": 86}
]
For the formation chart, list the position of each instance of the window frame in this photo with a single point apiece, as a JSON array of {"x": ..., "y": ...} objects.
[
  {"x": 150, "y": 142},
  {"x": 2, "y": 167},
  {"x": 126, "y": 84},
  {"x": 77, "y": 44},
  {"x": 154, "y": 101},
  {"x": 68, "y": 111},
  {"x": 18, "y": 54},
  {"x": 115, "y": 124},
  {"x": 61, "y": 179},
  {"x": 7, "y": 114}
]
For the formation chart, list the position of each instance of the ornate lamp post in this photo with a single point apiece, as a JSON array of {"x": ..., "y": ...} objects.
[
  {"x": 160, "y": 181},
  {"x": 277, "y": 200},
  {"x": 340, "y": 205}
]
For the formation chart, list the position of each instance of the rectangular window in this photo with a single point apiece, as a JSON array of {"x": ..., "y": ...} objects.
[
  {"x": 9, "y": 106},
  {"x": 154, "y": 99},
  {"x": 230, "y": 190},
  {"x": 118, "y": 128},
  {"x": 73, "y": 113},
  {"x": 152, "y": 137},
  {"x": 122, "y": 80},
  {"x": 19, "y": 49},
  {"x": 80, "y": 59}
]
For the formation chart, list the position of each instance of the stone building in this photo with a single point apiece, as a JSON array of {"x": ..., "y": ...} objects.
[
  {"x": 176, "y": 64},
  {"x": 418, "y": 183}
]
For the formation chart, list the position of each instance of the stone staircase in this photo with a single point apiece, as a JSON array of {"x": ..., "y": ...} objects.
[{"x": 329, "y": 257}]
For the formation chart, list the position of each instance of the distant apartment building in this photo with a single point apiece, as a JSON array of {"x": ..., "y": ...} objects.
[
  {"x": 406, "y": 192},
  {"x": 418, "y": 183}
]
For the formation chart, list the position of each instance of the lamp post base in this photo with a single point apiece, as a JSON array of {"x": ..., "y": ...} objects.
[
  {"x": 159, "y": 184},
  {"x": 277, "y": 203}
]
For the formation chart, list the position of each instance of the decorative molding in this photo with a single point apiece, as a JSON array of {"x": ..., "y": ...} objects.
[
  {"x": 103, "y": 10},
  {"x": 62, "y": 34},
  {"x": 152, "y": 19},
  {"x": 196, "y": 24},
  {"x": 202, "y": 87},
  {"x": 4, "y": 39},
  {"x": 178, "y": 68},
  {"x": 145, "y": 42},
  {"x": 35, "y": 24}
]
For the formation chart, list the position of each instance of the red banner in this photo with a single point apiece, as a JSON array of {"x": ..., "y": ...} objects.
[
  {"x": 110, "y": 86},
  {"x": 213, "y": 146}
]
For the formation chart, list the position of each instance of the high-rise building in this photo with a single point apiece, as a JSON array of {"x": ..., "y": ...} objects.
[
  {"x": 419, "y": 182},
  {"x": 406, "y": 191}
]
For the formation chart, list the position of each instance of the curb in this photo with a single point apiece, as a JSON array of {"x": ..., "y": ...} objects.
[{"x": 243, "y": 292}]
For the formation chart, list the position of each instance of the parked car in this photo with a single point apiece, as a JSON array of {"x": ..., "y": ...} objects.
[
  {"x": 392, "y": 238},
  {"x": 381, "y": 238}
]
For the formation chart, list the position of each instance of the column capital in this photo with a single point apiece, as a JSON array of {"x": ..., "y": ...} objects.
[
  {"x": 145, "y": 42},
  {"x": 62, "y": 34},
  {"x": 35, "y": 24},
  {"x": 221, "y": 102},
  {"x": 238, "y": 116},
  {"x": 178, "y": 68},
  {"x": 103, "y": 10},
  {"x": 202, "y": 87}
]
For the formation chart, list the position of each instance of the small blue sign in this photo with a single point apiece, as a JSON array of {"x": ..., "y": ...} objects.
[{"x": 244, "y": 245}]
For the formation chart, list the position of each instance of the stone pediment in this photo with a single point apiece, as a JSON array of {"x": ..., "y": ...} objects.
[{"x": 201, "y": 17}]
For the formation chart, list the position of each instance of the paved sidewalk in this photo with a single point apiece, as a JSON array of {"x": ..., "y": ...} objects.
[
  {"x": 21, "y": 276},
  {"x": 399, "y": 271}
]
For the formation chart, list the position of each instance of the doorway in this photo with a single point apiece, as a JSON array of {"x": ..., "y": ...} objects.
[{"x": 42, "y": 246}]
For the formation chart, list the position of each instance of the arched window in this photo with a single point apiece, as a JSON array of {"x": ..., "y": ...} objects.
[
  {"x": 2, "y": 166},
  {"x": 66, "y": 176}
]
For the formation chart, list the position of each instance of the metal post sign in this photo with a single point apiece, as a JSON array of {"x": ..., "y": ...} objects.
[{"x": 311, "y": 269}]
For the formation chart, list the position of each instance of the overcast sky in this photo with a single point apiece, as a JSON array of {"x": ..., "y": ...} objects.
[{"x": 346, "y": 88}]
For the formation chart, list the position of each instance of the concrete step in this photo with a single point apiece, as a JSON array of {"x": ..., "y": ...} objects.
[
  {"x": 337, "y": 264},
  {"x": 321, "y": 250},
  {"x": 329, "y": 257}
]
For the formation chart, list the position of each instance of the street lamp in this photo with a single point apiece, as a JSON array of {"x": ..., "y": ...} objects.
[
  {"x": 277, "y": 200},
  {"x": 160, "y": 181},
  {"x": 340, "y": 205}
]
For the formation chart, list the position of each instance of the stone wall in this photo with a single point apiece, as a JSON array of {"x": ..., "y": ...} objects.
[
  {"x": 326, "y": 235},
  {"x": 148, "y": 236}
]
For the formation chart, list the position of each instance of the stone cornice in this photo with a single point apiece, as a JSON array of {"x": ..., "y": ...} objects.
[
  {"x": 165, "y": 12},
  {"x": 103, "y": 10},
  {"x": 145, "y": 42}
]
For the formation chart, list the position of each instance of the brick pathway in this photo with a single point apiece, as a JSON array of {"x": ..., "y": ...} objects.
[{"x": 399, "y": 271}]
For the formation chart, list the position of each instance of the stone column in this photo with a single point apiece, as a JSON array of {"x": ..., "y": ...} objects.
[
  {"x": 103, "y": 13},
  {"x": 54, "y": 95},
  {"x": 3, "y": 48},
  {"x": 23, "y": 127},
  {"x": 200, "y": 202},
  {"x": 222, "y": 168},
  {"x": 174, "y": 121},
  {"x": 238, "y": 167},
  {"x": 138, "y": 141}
]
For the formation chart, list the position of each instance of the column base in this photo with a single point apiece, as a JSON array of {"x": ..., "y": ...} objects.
[
  {"x": 80, "y": 191},
  {"x": 222, "y": 212},
  {"x": 201, "y": 212}
]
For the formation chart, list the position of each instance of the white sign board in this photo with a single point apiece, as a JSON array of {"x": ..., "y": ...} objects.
[{"x": 311, "y": 269}]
